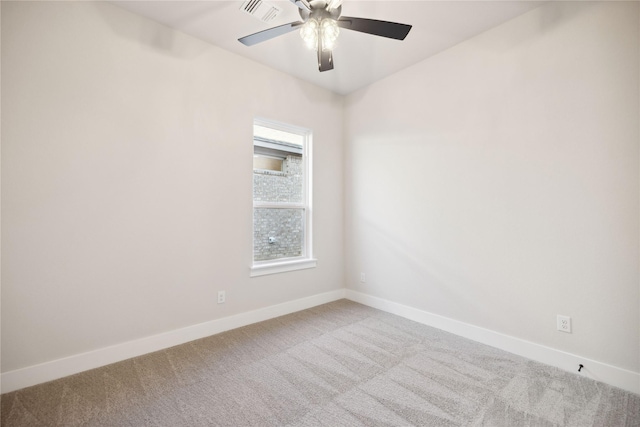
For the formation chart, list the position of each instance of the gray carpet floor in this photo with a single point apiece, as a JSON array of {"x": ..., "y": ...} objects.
[{"x": 339, "y": 364}]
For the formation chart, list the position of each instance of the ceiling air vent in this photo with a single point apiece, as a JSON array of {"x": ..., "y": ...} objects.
[{"x": 260, "y": 9}]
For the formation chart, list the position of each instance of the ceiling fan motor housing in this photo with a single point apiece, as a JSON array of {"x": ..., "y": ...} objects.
[{"x": 319, "y": 11}]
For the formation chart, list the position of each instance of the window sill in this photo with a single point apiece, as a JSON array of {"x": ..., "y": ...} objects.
[{"x": 282, "y": 267}]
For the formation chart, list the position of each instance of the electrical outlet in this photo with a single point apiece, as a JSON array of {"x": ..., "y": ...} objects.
[
  {"x": 564, "y": 323},
  {"x": 362, "y": 278},
  {"x": 221, "y": 297}
]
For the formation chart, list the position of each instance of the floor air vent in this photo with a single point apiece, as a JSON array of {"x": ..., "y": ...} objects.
[{"x": 260, "y": 9}]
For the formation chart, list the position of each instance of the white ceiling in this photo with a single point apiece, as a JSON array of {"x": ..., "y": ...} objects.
[{"x": 360, "y": 59}]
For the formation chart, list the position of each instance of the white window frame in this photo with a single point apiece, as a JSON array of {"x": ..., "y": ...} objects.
[{"x": 281, "y": 265}]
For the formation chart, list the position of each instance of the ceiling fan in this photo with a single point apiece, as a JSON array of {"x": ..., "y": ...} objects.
[{"x": 320, "y": 25}]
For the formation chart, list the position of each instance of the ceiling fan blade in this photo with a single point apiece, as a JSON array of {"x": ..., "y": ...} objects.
[
  {"x": 268, "y": 34},
  {"x": 325, "y": 60},
  {"x": 392, "y": 30},
  {"x": 302, "y": 4}
]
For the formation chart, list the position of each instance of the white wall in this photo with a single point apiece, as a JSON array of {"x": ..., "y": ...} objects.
[
  {"x": 497, "y": 183},
  {"x": 126, "y": 180}
]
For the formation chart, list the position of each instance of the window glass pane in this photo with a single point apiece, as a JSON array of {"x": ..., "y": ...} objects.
[
  {"x": 267, "y": 163},
  {"x": 277, "y": 233},
  {"x": 284, "y": 187}
]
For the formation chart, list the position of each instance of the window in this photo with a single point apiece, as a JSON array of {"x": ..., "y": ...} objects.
[{"x": 281, "y": 198}]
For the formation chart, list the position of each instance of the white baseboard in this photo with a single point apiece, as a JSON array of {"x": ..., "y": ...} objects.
[
  {"x": 612, "y": 375},
  {"x": 32, "y": 375}
]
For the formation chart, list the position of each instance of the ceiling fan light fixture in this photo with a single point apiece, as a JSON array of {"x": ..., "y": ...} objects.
[{"x": 326, "y": 30}]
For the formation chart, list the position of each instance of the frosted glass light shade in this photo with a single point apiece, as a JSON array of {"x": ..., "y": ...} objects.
[
  {"x": 330, "y": 31},
  {"x": 309, "y": 34}
]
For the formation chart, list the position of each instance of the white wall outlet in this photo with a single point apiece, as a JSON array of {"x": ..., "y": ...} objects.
[
  {"x": 362, "y": 278},
  {"x": 221, "y": 297},
  {"x": 564, "y": 323}
]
